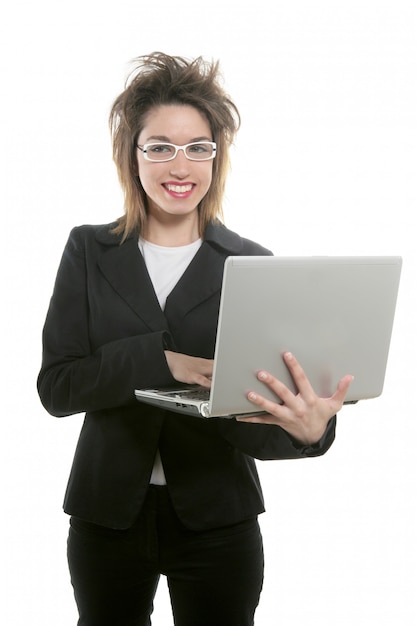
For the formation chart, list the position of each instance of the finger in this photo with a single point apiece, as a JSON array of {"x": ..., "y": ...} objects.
[
  {"x": 299, "y": 376},
  {"x": 273, "y": 413},
  {"x": 278, "y": 410},
  {"x": 204, "y": 367},
  {"x": 203, "y": 381},
  {"x": 194, "y": 377},
  {"x": 204, "y": 375},
  {"x": 342, "y": 388},
  {"x": 280, "y": 390}
]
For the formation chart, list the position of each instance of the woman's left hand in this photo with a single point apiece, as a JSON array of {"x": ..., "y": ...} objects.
[{"x": 304, "y": 415}]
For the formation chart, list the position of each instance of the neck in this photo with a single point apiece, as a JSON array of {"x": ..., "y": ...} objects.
[{"x": 172, "y": 232}]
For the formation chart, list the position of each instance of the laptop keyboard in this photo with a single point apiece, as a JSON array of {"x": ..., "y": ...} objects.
[{"x": 200, "y": 393}]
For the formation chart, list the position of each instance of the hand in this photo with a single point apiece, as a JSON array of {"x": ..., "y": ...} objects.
[
  {"x": 190, "y": 369},
  {"x": 304, "y": 415}
]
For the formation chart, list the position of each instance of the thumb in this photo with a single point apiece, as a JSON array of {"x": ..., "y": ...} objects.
[{"x": 342, "y": 388}]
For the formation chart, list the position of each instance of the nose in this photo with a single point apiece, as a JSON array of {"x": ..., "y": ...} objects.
[{"x": 180, "y": 165}]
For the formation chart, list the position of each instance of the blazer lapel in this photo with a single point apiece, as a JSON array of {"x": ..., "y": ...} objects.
[
  {"x": 204, "y": 276},
  {"x": 124, "y": 268}
]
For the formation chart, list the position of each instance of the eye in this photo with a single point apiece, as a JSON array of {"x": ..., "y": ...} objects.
[
  {"x": 199, "y": 148},
  {"x": 160, "y": 148}
]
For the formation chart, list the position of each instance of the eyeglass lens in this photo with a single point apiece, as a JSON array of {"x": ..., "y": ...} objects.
[{"x": 195, "y": 151}]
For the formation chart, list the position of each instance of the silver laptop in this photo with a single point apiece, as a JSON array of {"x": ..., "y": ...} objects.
[{"x": 335, "y": 314}]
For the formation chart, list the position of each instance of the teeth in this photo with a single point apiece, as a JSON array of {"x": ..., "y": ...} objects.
[{"x": 179, "y": 188}]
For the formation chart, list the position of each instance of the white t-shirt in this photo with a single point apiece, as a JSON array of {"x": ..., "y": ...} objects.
[{"x": 165, "y": 267}]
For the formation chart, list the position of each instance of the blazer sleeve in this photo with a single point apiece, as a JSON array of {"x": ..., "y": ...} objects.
[
  {"x": 270, "y": 442},
  {"x": 74, "y": 377}
]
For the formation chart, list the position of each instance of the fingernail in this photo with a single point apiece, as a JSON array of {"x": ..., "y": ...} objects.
[
  {"x": 252, "y": 395},
  {"x": 288, "y": 356},
  {"x": 262, "y": 375}
]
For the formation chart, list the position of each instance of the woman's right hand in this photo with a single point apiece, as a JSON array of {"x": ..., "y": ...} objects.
[{"x": 190, "y": 369}]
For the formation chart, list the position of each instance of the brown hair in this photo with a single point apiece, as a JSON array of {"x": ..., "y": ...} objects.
[{"x": 159, "y": 79}]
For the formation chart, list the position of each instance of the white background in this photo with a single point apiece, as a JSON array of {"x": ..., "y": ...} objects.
[{"x": 329, "y": 88}]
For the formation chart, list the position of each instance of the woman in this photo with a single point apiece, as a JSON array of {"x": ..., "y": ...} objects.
[{"x": 135, "y": 304}]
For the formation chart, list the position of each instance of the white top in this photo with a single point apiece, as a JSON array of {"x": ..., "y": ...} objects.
[{"x": 165, "y": 267}]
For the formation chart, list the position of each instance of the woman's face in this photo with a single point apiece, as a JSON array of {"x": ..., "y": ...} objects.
[{"x": 174, "y": 188}]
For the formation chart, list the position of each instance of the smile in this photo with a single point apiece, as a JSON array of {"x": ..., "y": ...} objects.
[{"x": 179, "y": 188}]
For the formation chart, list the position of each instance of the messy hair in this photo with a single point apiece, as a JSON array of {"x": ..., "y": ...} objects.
[{"x": 159, "y": 79}]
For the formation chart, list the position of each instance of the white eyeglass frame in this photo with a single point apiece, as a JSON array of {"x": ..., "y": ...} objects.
[{"x": 146, "y": 146}]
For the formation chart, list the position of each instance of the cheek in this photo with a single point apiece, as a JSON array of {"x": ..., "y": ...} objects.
[
  {"x": 139, "y": 172},
  {"x": 208, "y": 177},
  {"x": 145, "y": 177}
]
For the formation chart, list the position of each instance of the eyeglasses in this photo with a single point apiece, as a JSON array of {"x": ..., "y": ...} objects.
[{"x": 196, "y": 151}]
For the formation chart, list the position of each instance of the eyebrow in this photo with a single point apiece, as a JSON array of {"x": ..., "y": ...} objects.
[{"x": 167, "y": 140}]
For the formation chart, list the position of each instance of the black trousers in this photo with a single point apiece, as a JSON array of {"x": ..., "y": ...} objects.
[{"x": 214, "y": 577}]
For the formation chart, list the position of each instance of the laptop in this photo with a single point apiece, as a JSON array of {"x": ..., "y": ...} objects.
[{"x": 335, "y": 314}]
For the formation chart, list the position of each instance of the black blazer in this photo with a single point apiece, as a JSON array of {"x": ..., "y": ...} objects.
[{"x": 105, "y": 335}]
